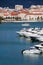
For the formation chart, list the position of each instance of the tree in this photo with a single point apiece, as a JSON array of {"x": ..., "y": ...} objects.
[
  {"x": 1, "y": 18},
  {"x": 18, "y": 18},
  {"x": 38, "y": 18}
]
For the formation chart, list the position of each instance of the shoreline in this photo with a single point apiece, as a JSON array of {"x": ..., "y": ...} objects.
[{"x": 18, "y": 21}]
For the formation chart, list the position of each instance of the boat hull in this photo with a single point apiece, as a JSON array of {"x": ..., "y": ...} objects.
[{"x": 27, "y": 52}]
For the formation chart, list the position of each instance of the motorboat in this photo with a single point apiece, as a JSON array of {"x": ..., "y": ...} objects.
[
  {"x": 27, "y": 32},
  {"x": 36, "y": 49},
  {"x": 21, "y": 31},
  {"x": 32, "y": 50},
  {"x": 36, "y": 35},
  {"x": 40, "y": 32},
  {"x": 33, "y": 33},
  {"x": 40, "y": 35},
  {"x": 40, "y": 38},
  {"x": 40, "y": 46},
  {"x": 25, "y": 24},
  {"x": 30, "y": 34}
]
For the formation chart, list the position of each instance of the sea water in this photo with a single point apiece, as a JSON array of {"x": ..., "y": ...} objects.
[{"x": 11, "y": 45}]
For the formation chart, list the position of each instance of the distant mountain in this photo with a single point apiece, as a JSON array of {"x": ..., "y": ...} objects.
[{"x": 25, "y": 3}]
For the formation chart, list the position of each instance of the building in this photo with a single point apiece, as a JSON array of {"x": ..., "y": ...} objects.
[
  {"x": 18, "y": 7},
  {"x": 34, "y": 13}
]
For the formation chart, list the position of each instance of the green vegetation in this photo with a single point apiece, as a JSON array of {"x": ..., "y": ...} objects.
[
  {"x": 18, "y": 18},
  {"x": 1, "y": 18}
]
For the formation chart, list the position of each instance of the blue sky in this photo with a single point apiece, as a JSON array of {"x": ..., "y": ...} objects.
[{"x": 25, "y": 3}]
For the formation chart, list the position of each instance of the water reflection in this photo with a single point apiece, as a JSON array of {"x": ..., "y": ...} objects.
[
  {"x": 27, "y": 39},
  {"x": 24, "y": 38},
  {"x": 31, "y": 59},
  {"x": 32, "y": 56},
  {"x": 21, "y": 39}
]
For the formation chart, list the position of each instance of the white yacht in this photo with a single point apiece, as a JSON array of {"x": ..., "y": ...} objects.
[
  {"x": 30, "y": 34},
  {"x": 25, "y": 24},
  {"x": 40, "y": 46},
  {"x": 40, "y": 35},
  {"x": 40, "y": 32},
  {"x": 33, "y": 33},
  {"x": 32, "y": 50},
  {"x": 40, "y": 38},
  {"x": 21, "y": 31}
]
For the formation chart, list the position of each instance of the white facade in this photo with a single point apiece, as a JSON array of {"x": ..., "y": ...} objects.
[
  {"x": 1, "y": 14},
  {"x": 18, "y": 7},
  {"x": 33, "y": 17},
  {"x": 22, "y": 15},
  {"x": 36, "y": 6}
]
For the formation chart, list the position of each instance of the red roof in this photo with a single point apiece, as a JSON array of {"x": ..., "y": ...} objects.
[
  {"x": 24, "y": 11},
  {"x": 31, "y": 13},
  {"x": 14, "y": 13}
]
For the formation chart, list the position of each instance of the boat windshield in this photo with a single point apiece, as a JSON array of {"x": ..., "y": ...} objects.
[
  {"x": 41, "y": 44},
  {"x": 27, "y": 31},
  {"x": 36, "y": 47}
]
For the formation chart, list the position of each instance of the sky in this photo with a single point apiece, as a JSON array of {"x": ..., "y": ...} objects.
[{"x": 25, "y": 3}]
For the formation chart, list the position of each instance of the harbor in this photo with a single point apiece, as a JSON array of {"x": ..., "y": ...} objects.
[
  {"x": 21, "y": 32},
  {"x": 11, "y": 44}
]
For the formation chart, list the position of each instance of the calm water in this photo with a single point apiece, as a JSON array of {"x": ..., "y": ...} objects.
[{"x": 11, "y": 45}]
